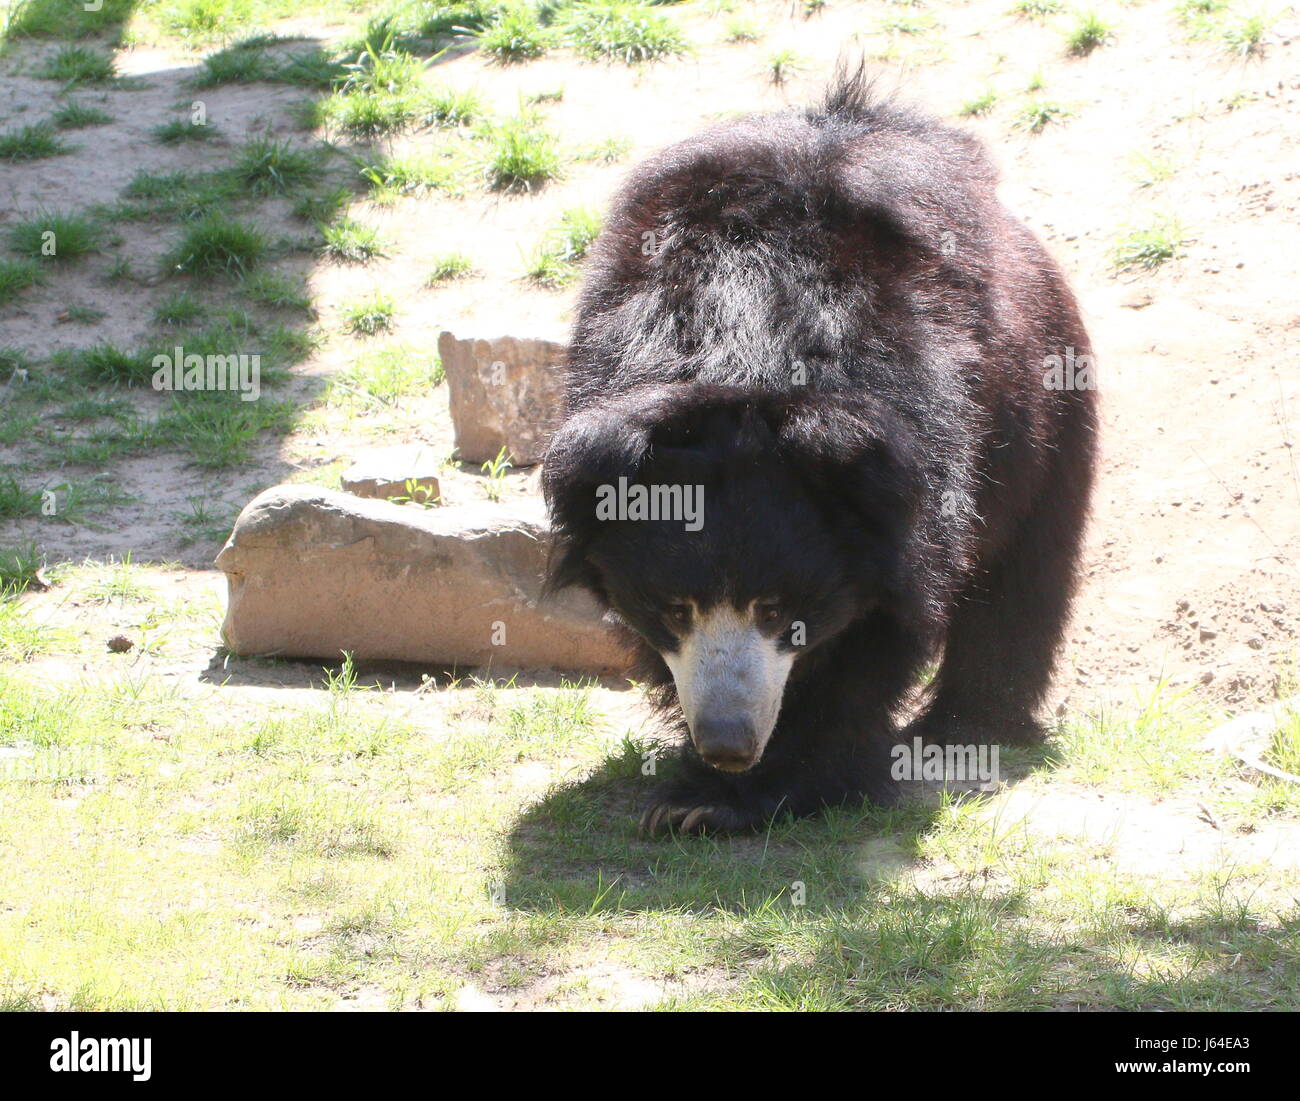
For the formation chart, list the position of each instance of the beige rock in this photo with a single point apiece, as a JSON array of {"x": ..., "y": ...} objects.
[
  {"x": 505, "y": 392},
  {"x": 385, "y": 472},
  {"x": 313, "y": 572}
]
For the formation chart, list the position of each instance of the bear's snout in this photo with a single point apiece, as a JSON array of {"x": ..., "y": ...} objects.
[{"x": 727, "y": 744}]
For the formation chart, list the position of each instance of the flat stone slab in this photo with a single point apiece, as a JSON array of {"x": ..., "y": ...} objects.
[
  {"x": 313, "y": 572},
  {"x": 504, "y": 392},
  {"x": 410, "y": 470}
]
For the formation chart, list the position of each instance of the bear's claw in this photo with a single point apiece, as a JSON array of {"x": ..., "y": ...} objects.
[{"x": 662, "y": 818}]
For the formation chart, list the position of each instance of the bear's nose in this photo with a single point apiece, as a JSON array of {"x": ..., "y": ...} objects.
[{"x": 728, "y": 744}]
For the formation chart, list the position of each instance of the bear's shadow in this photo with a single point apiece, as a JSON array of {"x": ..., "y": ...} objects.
[{"x": 578, "y": 849}]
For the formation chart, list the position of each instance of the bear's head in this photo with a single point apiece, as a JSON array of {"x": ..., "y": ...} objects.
[{"x": 736, "y": 531}]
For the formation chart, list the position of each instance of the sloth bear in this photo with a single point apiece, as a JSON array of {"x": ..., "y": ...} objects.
[{"x": 823, "y": 330}]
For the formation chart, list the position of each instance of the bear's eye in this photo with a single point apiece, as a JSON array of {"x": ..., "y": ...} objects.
[
  {"x": 769, "y": 612},
  {"x": 679, "y": 614}
]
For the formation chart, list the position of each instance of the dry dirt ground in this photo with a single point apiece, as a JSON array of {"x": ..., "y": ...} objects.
[{"x": 1193, "y": 562}]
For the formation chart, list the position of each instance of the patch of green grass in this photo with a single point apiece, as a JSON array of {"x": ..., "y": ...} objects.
[
  {"x": 179, "y": 308},
  {"x": 312, "y": 69},
  {"x": 784, "y": 64},
  {"x": 78, "y": 116},
  {"x": 370, "y": 314},
  {"x": 105, "y": 362},
  {"x": 82, "y": 315},
  {"x": 522, "y": 155},
  {"x": 185, "y": 196},
  {"x": 410, "y": 173},
  {"x": 57, "y": 235},
  {"x": 456, "y": 18},
  {"x": 74, "y": 65},
  {"x": 1150, "y": 169},
  {"x": 67, "y": 19},
  {"x": 267, "y": 166},
  {"x": 207, "y": 19},
  {"x": 1163, "y": 735},
  {"x": 554, "y": 263},
  {"x": 236, "y": 64},
  {"x": 352, "y": 242},
  {"x": 906, "y": 24},
  {"x": 1151, "y": 246},
  {"x": 1037, "y": 9},
  {"x": 384, "y": 375},
  {"x": 449, "y": 266},
  {"x": 979, "y": 105},
  {"x": 218, "y": 245},
  {"x": 741, "y": 28},
  {"x": 627, "y": 32},
  {"x": 31, "y": 143},
  {"x": 20, "y": 567},
  {"x": 183, "y": 130},
  {"x": 16, "y": 276},
  {"x": 323, "y": 206},
  {"x": 368, "y": 114},
  {"x": 278, "y": 291},
  {"x": 1245, "y": 37},
  {"x": 1037, "y": 114},
  {"x": 1089, "y": 32},
  {"x": 450, "y": 106},
  {"x": 514, "y": 35},
  {"x": 217, "y": 429}
]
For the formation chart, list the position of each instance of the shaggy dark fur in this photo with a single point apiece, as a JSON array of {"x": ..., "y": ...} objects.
[{"x": 827, "y": 319}]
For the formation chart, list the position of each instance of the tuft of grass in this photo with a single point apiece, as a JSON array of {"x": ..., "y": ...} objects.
[
  {"x": 384, "y": 375},
  {"x": 277, "y": 291},
  {"x": 207, "y": 19},
  {"x": 218, "y": 245},
  {"x": 237, "y": 64},
  {"x": 627, "y": 32},
  {"x": 20, "y": 567},
  {"x": 352, "y": 242},
  {"x": 312, "y": 69},
  {"x": 183, "y": 130},
  {"x": 1150, "y": 169},
  {"x": 410, "y": 173},
  {"x": 74, "y": 65},
  {"x": 105, "y": 362},
  {"x": 266, "y": 166},
  {"x": 1090, "y": 32},
  {"x": 16, "y": 276},
  {"x": 554, "y": 263},
  {"x": 450, "y": 107},
  {"x": 179, "y": 309},
  {"x": 741, "y": 29},
  {"x": 369, "y": 315},
  {"x": 77, "y": 116},
  {"x": 522, "y": 155},
  {"x": 1037, "y": 9},
  {"x": 1037, "y": 114},
  {"x": 782, "y": 65},
  {"x": 449, "y": 266},
  {"x": 31, "y": 143},
  {"x": 1151, "y": 246},
  {"x": 979, "y": 105},
  {"x": 1245, "y": 36},
  {"x": 514, "y": 35},
  {"x": 56, "y": 235}
]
